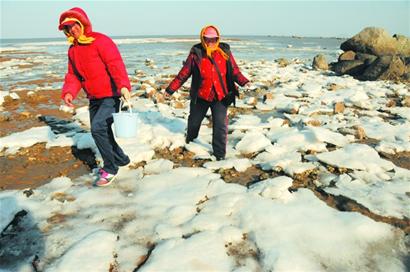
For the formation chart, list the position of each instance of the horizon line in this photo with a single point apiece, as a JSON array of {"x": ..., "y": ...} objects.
[{"x": 191, "y": 35}]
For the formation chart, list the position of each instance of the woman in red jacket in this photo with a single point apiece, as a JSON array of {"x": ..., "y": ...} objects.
[
  {"x": 214, "y": 74},
  {"x": 95, "y": 65}
]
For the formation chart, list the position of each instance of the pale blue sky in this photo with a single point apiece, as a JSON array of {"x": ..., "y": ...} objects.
[{"x": 336, "y": 18}]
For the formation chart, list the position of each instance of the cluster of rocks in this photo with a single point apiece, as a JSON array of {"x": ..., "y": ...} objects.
[{"x": 372, "y": 54}]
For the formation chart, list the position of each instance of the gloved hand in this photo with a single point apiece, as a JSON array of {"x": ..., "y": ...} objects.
[
  {"x": 125, "y": 94},
  {"x": 167, "y": 93}
]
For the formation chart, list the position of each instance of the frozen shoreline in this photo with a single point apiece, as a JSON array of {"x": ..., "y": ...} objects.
[{"x": 189, "y": 218}]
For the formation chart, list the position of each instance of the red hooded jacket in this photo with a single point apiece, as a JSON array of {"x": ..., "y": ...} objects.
[
  {"x": 205, "y": 76},
  {"x": 97, "y": 68}
]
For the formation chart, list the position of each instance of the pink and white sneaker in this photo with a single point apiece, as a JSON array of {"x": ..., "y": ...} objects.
[{"x": 104, "y": 178}]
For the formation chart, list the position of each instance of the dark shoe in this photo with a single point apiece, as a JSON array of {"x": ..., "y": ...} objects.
[
  {"x": 187, "y": 140},
  {"x": 125, "y": 162},
  {"x": 220, "y": 158}
]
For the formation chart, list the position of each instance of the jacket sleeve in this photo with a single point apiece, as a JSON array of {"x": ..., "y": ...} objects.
[
  {"x": 182, "y": 76},
  {"x": 237, "y": 75},
  {"x": 112, "y": 59},
  {"x": 72, "y": 84}
]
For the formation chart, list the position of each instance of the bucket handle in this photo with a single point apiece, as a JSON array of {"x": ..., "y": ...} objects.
[{"x": 129, "y": 105}]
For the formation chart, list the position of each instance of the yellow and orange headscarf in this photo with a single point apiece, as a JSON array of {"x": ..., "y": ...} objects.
[
  {"x": 210, "y": 51},
  {"x": 82, "y": 39}
]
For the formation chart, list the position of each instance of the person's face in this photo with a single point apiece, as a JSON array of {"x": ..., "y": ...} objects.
[
  {"x": 210, "y": 42},
  {"x": 74, "y": 30}
]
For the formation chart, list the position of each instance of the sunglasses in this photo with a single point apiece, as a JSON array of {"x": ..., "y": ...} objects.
[
  {"x": 211, "y": 40},
  {"x": 68, "y": 27}
]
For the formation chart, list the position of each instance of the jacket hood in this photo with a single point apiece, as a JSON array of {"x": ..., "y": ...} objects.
[
  {"x": 209, "y": 50},
  {"x": 205, "y": 28},
  {"x": 78, "y": 14}
]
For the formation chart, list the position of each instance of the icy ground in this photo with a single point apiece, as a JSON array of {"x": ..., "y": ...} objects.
[{"x": 159, "y": 217}]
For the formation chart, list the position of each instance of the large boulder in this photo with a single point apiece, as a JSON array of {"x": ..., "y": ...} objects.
[
  {"x": 320, "y": 62},
  {"x": 377, "y": 41},
  {"x": 385, "y": 68}
]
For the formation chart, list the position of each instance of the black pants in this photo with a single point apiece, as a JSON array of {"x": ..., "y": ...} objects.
[
  {"x": 197, "y": 113},
  {"x": 101, "y": 111}
]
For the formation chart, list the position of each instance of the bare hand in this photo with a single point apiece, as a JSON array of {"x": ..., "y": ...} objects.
[
  {"x": 125, "y": 94},
  {"x": 68, "y": 99}
]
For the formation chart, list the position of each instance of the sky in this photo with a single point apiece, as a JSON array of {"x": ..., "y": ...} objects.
[{"x": 334, "y": 18}]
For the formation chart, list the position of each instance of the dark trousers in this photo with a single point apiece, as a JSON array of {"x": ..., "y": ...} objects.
[
  {"x": 197, "y": 113},
  {"x": 101, "y": 111}
]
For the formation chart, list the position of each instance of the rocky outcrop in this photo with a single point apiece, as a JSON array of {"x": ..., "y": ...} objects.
[
  {"x": 373, "y": 54},
  {"x": 378, "y": 42}
]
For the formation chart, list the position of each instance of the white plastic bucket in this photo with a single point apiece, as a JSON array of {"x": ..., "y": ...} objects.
[{"x": 125, "y": 123}]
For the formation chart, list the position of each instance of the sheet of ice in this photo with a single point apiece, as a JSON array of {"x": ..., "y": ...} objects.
[
  {"x": 253, "y": 142},
  {"x": 158, "y": 166},
  {"x": 8, "y": 208},
  {"x": 275, "y": 188},
  {"x": 357, "y": 157},
  {"x": 284, "y": 104},
  {"x": 393, "y": 147},
  {"x": 298, "y": 168},
  {"x": 193, "y": 254},
  {"x": 160, "y": 131},
  {"x": 15, "y": 141},
  {"x": 278, "y": 156},
  {"x": 85, "y": 255},
  {"x": 404, "y": 112},
  {"x": 84, "y": 141},
  {"x": 136, "y": 152},
  {"x": 82, "y": 115},
  {"x": 59, "y": 184},
  {"x": 378, "y": 129},
  {"x": 198, "y": 147},
  {"x": 208, "y": 213},
  {"x": 189, "y": 213},
  {"x": 312, "y": 109},
  {"x": 325, "y": 135},
  {"x": 386, "y": 198},
  {"x": 245, "y": 122},
  {"x": 14, "y": 96},
  {"x": 3, "y": 94},
  {"x": 349, "y": 236},
  {"x": 311, "y": 88},
  {"x": 302, "y": 140},
  {"x": 180, "y": 186},
  {"x": 240, "y": 165}
]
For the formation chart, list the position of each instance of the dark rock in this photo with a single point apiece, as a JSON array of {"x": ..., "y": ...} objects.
[
  {"x": 320, "y": 62},
  {"x": 351, "y": 67},
  {"x": 366, "y": 58},
  {"x": 348, "y": 55},
  {"x": 377, "y": 41},
  {"x": 385, "y": 68}
]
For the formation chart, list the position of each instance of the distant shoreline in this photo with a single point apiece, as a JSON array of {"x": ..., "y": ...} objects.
[{"x": 176, "y": 36}]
